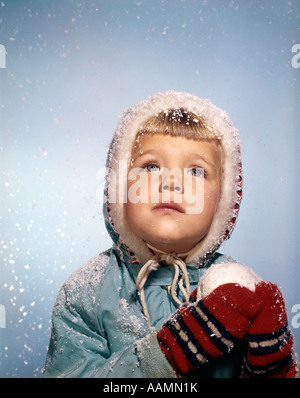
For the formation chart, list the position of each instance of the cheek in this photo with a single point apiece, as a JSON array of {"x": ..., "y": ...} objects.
[
  {"x": 214, "y": 196},
  {"x": 139, "y": 189},
  {"x": 203, "y": 197},
  {"x": 131, "y": 211},
  {"x": 211, "y": 200},
  {"x": 135, "y": 216}
]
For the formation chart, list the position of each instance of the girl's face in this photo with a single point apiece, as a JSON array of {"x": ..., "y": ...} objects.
[{"x": 173, "y": 190}]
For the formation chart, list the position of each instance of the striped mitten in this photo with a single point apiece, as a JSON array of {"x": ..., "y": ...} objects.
[
  {"x": 270, "y": 342},
  {"x": 201, "y": 332}
]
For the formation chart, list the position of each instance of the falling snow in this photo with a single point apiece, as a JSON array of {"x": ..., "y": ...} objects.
[{"x": 70, "y": 70}]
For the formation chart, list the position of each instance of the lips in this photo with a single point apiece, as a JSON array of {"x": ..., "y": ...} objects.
[{"x": 169, "y": 207}]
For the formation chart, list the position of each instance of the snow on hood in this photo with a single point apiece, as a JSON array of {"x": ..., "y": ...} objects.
[{"x": 130, "y": 247}]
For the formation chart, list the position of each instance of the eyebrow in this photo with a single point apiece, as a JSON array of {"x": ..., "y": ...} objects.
[
  {"x": 202, "y": 158},
  {"x": 138, "y": 154}
]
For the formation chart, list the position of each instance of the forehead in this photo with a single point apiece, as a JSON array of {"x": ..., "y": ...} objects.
[{"x": 179, "y": 146}]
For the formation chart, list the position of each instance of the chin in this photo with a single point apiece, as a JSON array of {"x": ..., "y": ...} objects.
[{"x": 171, "y": 246}]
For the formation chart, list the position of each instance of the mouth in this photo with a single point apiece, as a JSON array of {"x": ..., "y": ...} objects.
[{"x": 169, "y": 207}]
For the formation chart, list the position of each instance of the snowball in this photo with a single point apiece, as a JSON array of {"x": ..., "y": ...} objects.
[{"x": 219, "y": 274}]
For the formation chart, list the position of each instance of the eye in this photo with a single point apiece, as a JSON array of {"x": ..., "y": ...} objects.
[
  {"x": 151, "y": 167},
  {"x": 196, "y": 172}
]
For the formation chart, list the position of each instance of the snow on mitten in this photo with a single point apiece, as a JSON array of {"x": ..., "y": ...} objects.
[
  {"x": 201, "y": 332},
  {"x": 270, "y": 341}
]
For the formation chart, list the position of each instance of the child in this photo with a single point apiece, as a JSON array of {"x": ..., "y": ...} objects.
[{"x": 163, "y": 302}]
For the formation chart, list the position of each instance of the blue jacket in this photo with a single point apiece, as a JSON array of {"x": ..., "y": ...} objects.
[{"x": 99, "y": 329}]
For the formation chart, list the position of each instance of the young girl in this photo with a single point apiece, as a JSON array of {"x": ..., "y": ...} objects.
[{"x": 163, "y": 302}]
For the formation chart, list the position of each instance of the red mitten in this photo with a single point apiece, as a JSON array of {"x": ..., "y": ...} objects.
[
  {"x": 270, "y": 341},
  {"x": 201, "y": 332}
]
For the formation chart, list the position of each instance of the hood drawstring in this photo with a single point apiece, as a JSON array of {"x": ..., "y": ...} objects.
[{"x": 152, "y": 265}]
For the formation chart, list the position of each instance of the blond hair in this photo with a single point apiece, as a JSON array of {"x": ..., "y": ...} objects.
[{"x": 180, "y": 123}]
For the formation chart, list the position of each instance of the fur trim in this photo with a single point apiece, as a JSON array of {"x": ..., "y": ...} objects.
[{"x": 129, "y": 124}]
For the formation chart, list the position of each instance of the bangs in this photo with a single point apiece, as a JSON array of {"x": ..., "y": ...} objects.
[{"x": 180, "y": 123}]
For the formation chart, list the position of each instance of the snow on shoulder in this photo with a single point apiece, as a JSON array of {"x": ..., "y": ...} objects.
[{"x": 89, "y": 276}]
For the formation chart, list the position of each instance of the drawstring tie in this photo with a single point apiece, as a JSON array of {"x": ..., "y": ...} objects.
[{"x": 152, "y": 265}]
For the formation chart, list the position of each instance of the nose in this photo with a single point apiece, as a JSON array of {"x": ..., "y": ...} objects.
[
  {"x": 172, "y": 181},
  {"x": 170, "y": 187}
]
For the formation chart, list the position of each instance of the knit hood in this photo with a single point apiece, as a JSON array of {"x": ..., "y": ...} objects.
[{"x": 130, "y": 247}]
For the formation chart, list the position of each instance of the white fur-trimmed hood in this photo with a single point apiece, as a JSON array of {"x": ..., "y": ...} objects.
[{"x": 231, "y": 192}]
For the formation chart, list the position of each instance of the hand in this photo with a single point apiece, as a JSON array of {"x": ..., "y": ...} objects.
[
  {"x": 201, "y": 332},
  {"x": 270, "y": 351}
]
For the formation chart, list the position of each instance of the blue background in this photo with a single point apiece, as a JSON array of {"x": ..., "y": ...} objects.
[{"x": 71, "y": 69}]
